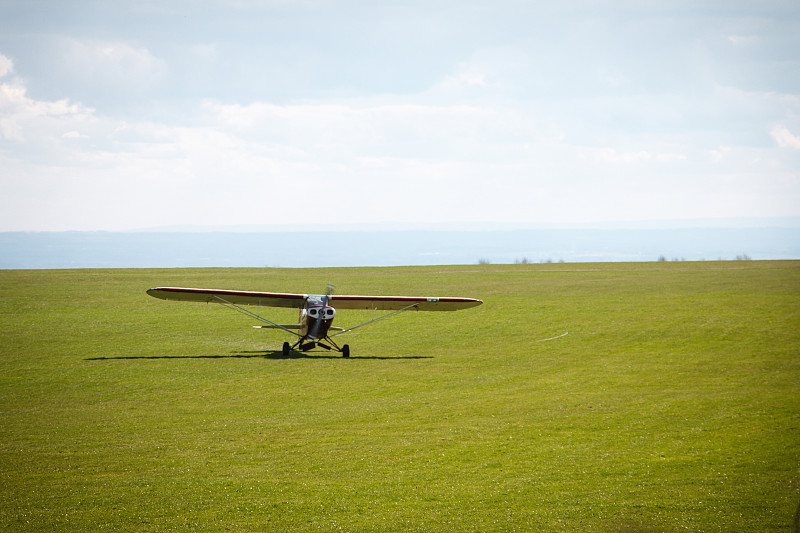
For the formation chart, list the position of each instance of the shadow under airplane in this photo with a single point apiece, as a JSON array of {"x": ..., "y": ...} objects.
[{"x": 270, "y": 354}]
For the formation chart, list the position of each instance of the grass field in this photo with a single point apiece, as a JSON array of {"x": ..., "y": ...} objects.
[{"x": 673, "y": 404}]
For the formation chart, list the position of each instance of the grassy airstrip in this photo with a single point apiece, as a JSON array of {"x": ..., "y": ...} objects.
[{"x": 673, "y": 404}]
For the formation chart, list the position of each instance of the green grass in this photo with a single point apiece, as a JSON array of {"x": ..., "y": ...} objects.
[{"x": 673, "y": 404}]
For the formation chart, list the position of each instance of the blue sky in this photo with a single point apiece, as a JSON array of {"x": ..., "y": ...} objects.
[{"x": 122, "y": 115}]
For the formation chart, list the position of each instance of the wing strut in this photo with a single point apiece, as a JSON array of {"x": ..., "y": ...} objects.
[
  {"x": 375, "y": 319},
  {"x": 231, "y": 305}
]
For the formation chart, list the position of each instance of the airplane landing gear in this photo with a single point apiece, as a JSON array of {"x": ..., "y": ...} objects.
[{"x": 287, "y": 348}]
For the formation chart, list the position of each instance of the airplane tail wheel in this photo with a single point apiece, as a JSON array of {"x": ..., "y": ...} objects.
[
  {"x": 346, "y": 350},
  {"x": 286, "y": 348}
]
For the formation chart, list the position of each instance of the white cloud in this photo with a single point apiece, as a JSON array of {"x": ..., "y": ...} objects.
[
  {"x": 785, "y": 138},
  {"x": 21, "y": 116},
  {"x": 109, "y": 65},
  {"x": 718, "y": 155},
  {"x": 356, "y": 161},
  {"x": 613, "y": 155},
  {"x": 486, "y": 72},
  {"x": 465, "y": 78},
  {"x": 743, "y": 40},
  {"x": 74, "y": 135},
  {"x": 6, "y": 66}
]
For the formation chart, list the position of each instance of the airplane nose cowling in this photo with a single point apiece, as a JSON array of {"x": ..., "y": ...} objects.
[{"x": 319, "y": 321}]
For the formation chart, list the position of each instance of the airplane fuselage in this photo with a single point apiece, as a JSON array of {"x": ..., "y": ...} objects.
[
  {"x": 315, "y": 320},
  {"x": 316, "y": 317}
]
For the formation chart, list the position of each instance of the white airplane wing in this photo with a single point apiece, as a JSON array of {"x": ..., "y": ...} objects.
[
  {"x": 266, "y": 299},
  {"x": 282, "y": 299},
  {"x": 395, "y": 303}
]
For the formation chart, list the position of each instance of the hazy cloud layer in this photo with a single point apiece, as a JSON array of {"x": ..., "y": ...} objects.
[{"x": 118, "y": 116}]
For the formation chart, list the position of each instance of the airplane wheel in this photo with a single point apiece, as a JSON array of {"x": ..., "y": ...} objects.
[
  {"x": 286, "y": 348},
  {"x": 346, "y": 350}
]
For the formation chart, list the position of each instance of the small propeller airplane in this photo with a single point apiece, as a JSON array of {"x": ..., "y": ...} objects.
[{"x": 316, "y": 312}]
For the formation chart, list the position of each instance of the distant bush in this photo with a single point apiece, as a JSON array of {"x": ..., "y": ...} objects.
[
  {"x": 484, "y": 261},
  {"x": 743, "y": 257}
]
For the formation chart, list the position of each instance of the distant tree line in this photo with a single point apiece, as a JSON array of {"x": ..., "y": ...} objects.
[
  {"x": 661, "y": 258},
  {"x": 742, "y": 257}
]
